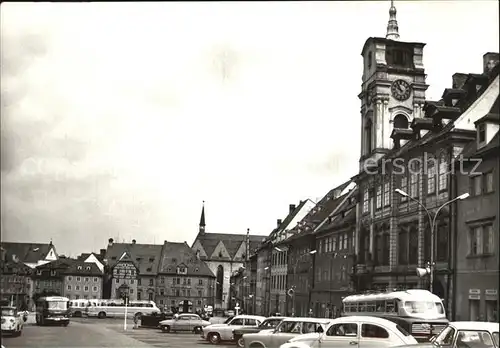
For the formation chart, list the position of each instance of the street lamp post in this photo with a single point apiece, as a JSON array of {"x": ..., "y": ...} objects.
[
  {"x": 432, "y": 220},
  {"x": 292, "y": 289}
]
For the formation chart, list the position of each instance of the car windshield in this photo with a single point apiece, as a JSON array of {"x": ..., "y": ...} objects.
[
  {"x": 289, "y": 327},
  {"x": 228, "y": 320},
  {"x": 419, "y": 306},
  {"x": 269, "y": 324},
  {"x": 474, "y": 338},
  {"x": 58, "y": 305},
  {"x": 7, "y": 312}
]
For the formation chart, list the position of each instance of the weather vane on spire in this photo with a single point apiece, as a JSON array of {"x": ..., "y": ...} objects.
[{"x": 392, "y": 26}]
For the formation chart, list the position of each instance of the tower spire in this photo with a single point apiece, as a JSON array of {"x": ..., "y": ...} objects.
[
  {"x": 392, "y": 26},
  {"x": 202, "y": 219}
]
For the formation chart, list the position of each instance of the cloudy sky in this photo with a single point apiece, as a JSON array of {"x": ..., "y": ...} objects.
[{"x": 118, "y": 120}]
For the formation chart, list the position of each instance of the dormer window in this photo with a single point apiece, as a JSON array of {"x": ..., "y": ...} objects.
[
  {"x": 149, "y": 269},
  {"x": 39, "y": 272},
  {"x": 79, "y": 268},
  {"x": 151, "y": 259},
  {"x": 87, "y": 268},
  {"x": 481, "y": 133},
  {"x": 220, "y": 253},
  {"x": 174, "y": 260},
  {"x": 52, "y": 273},
  {"x": 113, "y": 258}
]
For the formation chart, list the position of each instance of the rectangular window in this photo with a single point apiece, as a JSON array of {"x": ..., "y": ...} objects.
[
  {"x": 476, "y": 185},
  {"x": 386, "y": 249},
  {"x": 489, "y": 183},
  {"x": 200, "y": 281},
  {"x": 413, "y": 246},
  {"x": 442, "y": 243},
  {"x": 387, "y": 194},
  {"x": 86, "y": 288},
  {"x": 474, "y": 310},
  {"x": 414, "y": 184},
  {"x": 404, "y": 186},
  {"x": 481, "y": 133},
  {"x": 69, "y": 287},
  {"x": 345, "y": 242},
  {"x": 488, "y": 239},
  {"x": 200, "y": 294},
  {"x": 334, "y": 243},
  {"x": 443, "y": 173},
  {"x": 476, "y": 241},
  {"x": 365, "y": 201},
  {"x": 431, "y": 179},
  {"x": 379, "y": 196}
]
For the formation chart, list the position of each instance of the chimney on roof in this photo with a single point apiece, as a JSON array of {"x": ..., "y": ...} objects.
[
  {"x": 102, "y": 252},
  {"x": 134, "y": 241},
  {"x": 279, "y": 221},
  {"x": 459, "y": 80},
  {"x": 110, "y": 242},
  {"x": 292, "y": 208},
  {"x": 490, "y": 59}
]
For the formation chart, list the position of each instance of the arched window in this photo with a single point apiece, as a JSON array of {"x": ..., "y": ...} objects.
[
  {"x": 400, "y": 121},
  {"x": 368, "y": 136},
  {"x": 220, "y": 282}
]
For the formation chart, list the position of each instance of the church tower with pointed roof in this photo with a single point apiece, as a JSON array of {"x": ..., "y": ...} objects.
[{"x": 202, "y": 219}]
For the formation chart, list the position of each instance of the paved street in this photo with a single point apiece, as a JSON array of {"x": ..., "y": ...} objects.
[{"x": 83, "y": 332}]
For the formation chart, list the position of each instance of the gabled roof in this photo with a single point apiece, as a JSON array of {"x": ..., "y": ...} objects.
[
  {"x": 140, "y": 255},
  {"x": 176, "y": 254},
  {"x": 346, "y": 214},
  {"x": 323, "y": 209},
  {"x": 79, "y": 267},
  {"x": 85, "y": 256},
  {"x": 26, "y": 252},
  {"x": 470, "y": 150},
  {"x": 286, "y": 222},
  {"x": 232, "y": 242}
]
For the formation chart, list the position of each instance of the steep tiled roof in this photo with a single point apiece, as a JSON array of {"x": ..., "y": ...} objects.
[
  {"x": 471, "y": 150},
  {"x": 345, "y": 214},
  {"x": 26, "y": 252},
  {"x": 85, "y": 256},
  {"x": 175, "y": 254},
  {"x": 323, "y": 209},
  {"x": 146, "y": 257},
  {"x": 79, "y": 267},
  {"x": 232, "y": 242}
]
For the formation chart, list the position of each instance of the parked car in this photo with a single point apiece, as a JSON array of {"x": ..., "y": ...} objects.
[
  {"x": 184, "y": 322},
  {"x": 465, "y": 334},
  {"x": 287, "y": 329},
  {"x": 217, "y": 333},
  {"x": 12, "y": 321},
  {"x": 268, "y": 324},
  {"x": 345, "y": 332}
]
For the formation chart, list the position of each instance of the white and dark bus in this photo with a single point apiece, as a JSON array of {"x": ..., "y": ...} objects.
[
  {"x": 116, "y": 308},
  {"x": 52, "y": 310},
  {"x": 418, "y": 311}
]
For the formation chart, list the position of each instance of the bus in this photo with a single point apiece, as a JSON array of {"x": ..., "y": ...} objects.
[
  {"x": 77, "y": 307},
  {"x": 52, "y": 310},
  {"x": 116, "y": 308},
  {"x": 418, "y": 311}
]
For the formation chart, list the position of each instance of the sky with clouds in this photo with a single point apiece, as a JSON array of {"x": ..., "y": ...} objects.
[{"x": 119, "y": 119}]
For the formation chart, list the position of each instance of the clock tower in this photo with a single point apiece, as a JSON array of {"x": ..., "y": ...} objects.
[{"x": 392, "y": 90}]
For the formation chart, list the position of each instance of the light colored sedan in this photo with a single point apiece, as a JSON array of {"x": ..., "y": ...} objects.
[
  {"x": 355, "y": 331},
  {"x": 286, "y": 330},
  {"x": 184, "y": 322},
  {"x": 465, "y": 334}
]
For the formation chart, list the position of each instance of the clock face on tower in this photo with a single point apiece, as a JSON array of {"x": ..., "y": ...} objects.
[{"x": 401, "y": 90}]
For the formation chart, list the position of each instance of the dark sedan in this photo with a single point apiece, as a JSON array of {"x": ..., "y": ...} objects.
[{"x": 269, "y": 323}]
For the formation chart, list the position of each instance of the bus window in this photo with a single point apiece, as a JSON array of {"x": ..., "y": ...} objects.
[
  {"x": 362, "y": 306},
  {"x": 390, "y": 306},
  {"x": 150, "y": 305},
  {"x": 440, "y": 308},
  {"x": 354, "y": 307},
  {"x": 380, "y": 306}
]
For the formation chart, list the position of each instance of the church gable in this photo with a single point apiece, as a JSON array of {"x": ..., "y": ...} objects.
[
  {"x": 220, "y": 251},
  {"x": 51, "y": 255},
  {"x": 198, "y": 247},
  {"x": 241, "y": 253},
  {"x": 125, "y": 257}
]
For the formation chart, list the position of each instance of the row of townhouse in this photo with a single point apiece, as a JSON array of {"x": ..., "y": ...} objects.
[
  {"x": 31, "y": 270},
  {"x": 170, "y": 274},
  {"x": 426, "y": 196}
]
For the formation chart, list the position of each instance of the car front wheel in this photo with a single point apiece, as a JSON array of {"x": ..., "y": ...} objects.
[
  {"x": 241, "y": 343},
  {"x": 214, "y": 338},
  {"x": 165, "y": 328}
]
